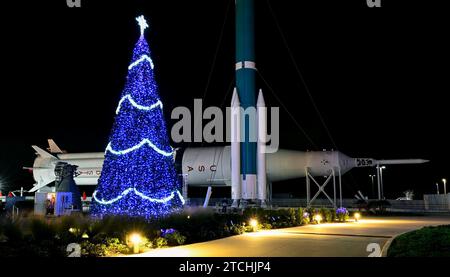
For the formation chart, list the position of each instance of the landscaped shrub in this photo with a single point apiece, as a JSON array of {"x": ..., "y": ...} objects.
[
  {"x": 108, "y": 247},
  {"x": 299, "y": 216},
  {"x": 160, "y": 242},
  {"x": 342, "y": 214},
  {"x": 328, "y": 215},
  {"x": 109, "y": 236},
  {"x": 115, "y": 246},
  {"x": 11, "y": 231},
  {"x": 237, "y": 229},
  {"x": 306, "y": 217},
  {"x": 266, "y": 226},
  {"x": 292, "y": 217},
  {"x": 173, "y": 237},
  {"x": 323, "y": 213},
  {"x": 332, "y": 215},
  {"x": 42, "y": 230},
  {"x": 89, "y": 249}
]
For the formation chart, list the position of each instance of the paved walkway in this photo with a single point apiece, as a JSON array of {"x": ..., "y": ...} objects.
[{"x": 325, "y": 240}]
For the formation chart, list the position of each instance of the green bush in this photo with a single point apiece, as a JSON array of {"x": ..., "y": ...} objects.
[
  {"x": 266, "y": 226},
  {"x": 109, "y": 236},
  {"x": 89, "y": 249},
  {"x": 292, "y": 217},
  {"x": 237, "y": 229},
  {"x": 200, "y": 225},
  {"x": 328, "y": 215},
  {"x": 160, "y": 242},
  {"x": 175, "y": 238},
  {"x": 11, "y": 231},
  {"x": 41, "y": 230},
  {"x": 115, "y": 246},
  {"x": 299, "y": 216},
  {"x": 108, "y": 247},
  {"x": 342, "y": 214},
  {"x": 323, "y": 212}
]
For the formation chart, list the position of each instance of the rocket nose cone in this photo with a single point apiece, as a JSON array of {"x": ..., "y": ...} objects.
[
  {"x": 260, "y": 101},
  {"x": 235, "y": 99}
]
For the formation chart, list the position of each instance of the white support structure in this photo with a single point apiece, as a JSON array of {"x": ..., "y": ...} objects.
[
  {"x": 378, "y": 182},
  {"x": 308, "y": 187},
  {"x": 321, "y": 187},
  {"x": 208, "y": 196},
  {"x": 340, "y": 186}
]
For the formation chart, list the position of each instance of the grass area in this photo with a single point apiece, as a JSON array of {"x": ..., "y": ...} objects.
[{"x": 425, "y": 242}]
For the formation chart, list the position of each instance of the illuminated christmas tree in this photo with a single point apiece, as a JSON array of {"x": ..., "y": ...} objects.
[{"x": 138, "y": 176}]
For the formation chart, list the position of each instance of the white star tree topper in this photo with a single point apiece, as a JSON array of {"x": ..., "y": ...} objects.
[{"x": 142, "y": 23}]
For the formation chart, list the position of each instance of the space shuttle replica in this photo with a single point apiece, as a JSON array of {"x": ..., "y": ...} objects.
[{"x": 244, "y": 165}]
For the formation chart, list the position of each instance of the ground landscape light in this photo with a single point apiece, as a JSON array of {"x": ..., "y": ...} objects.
[
  {"x": 254, "y": 223},
  {"x": 72, "y": 230},
  {"x": 135, "y": 239},
  {"x": 357, "y": 216},
  {"x": 318, "y": 218}
]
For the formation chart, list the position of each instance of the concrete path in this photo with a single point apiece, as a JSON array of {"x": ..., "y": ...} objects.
[{"x": 325, "y": 240}]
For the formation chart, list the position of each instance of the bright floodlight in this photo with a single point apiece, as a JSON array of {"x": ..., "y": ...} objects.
[
  {"x": 135, "y": 239},
  {"x": 318, "y": 218},
  {"x": 253, "y": 223},
  {"x": 357, "y": 216}
]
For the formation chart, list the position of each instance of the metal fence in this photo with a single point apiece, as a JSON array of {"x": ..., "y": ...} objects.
[{"x": 429, "y": 204}]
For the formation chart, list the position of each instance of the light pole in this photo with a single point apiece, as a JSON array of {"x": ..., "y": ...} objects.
[
  {"x": 445, "y": 186},
  {"x": 437, "y": 188},
  {"x": 378, "y": 182},
  {"x": 381, "y": 181},
  {"x": 373, "y": 186}
]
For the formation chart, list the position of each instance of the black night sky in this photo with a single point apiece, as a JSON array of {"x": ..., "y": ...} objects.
[{"x": 378, "y": 77}]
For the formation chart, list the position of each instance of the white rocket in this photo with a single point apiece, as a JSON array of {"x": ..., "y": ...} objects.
[
  {"x": 261, "y": 149},
  {"x": 216, "y": 167},
  {"x": 239, "y": 189},
  {"x": 236, "y": 191}
]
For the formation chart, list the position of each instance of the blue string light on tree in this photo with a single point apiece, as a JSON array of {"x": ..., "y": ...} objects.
[{"x": 138, "y": 176}]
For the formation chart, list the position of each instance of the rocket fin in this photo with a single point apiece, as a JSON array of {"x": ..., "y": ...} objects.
[
  {"x": 43, "y": 153},
  {"x": 53, "y": 147},
  {"x": 38, "y": 186}
]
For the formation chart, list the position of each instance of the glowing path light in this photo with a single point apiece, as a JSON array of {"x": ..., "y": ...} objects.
[
  {"x": 136, "y": 105},
  {"x": 137, "y": 146},
  {"x": 127, "y": 191},
  {"x": 142, "y": 23},
  {"x": 142, "y": 59}
]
